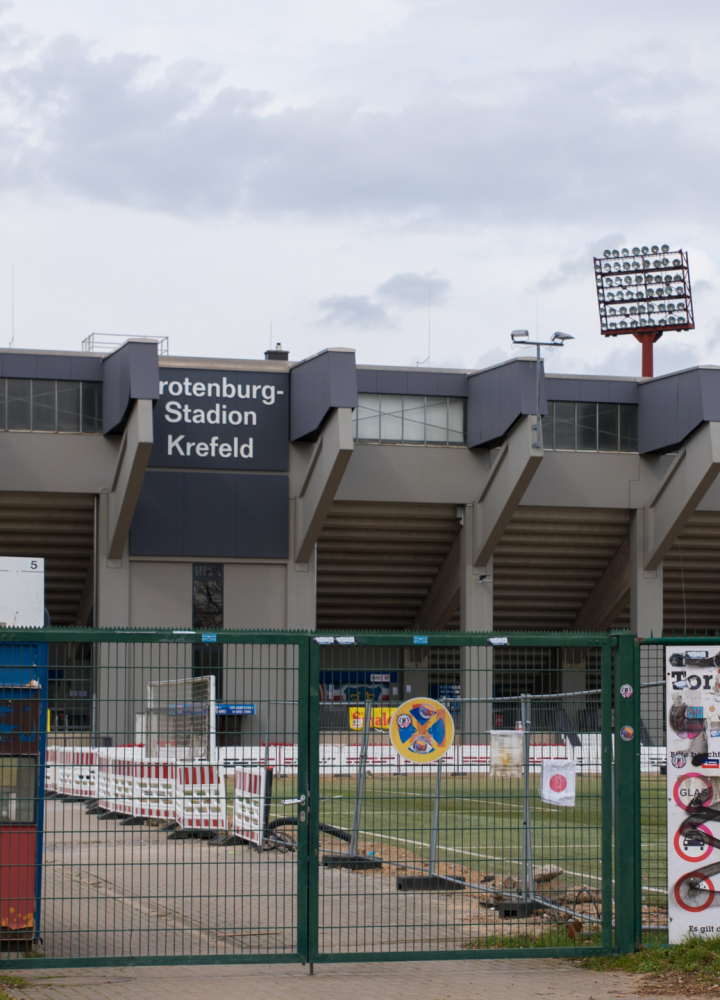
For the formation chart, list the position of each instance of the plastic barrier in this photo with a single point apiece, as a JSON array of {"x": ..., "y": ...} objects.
[
  {"x": 251, "y": 803},
  {"x": 155, "y": 790},
  {"x": 200, "y": 797}
]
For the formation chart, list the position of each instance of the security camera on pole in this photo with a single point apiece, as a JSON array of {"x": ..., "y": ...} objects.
[{"x": 521, "y": 338}]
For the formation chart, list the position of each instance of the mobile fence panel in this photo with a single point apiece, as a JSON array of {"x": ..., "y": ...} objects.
[
  {"x": 161, "y": 842},
  {"x": 459, "y": 855}
]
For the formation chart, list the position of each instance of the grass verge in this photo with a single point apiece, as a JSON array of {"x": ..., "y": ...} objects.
[
  {"x": 690, "y": 968},
  {"x": 10, "y": 982}
]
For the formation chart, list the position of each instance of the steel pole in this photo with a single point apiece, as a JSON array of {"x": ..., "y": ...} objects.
[
  {"x": 527, "y": 837},
  {"x": 436, "y": 819},
  {"x": 360, "y": 786}
]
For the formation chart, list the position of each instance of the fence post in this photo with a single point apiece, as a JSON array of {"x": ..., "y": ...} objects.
[{"x": 628, "y": 886}]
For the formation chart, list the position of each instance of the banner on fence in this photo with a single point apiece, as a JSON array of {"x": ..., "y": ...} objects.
[{"x": 693, "y": 789}]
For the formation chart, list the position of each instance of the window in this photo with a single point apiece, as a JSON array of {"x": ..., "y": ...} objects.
[
  {"x": 591, "y": 427},
  {"x": 40, "y": 404},
  {"x": 208, "y": 593},
  {"x": 410, "y": 419}
]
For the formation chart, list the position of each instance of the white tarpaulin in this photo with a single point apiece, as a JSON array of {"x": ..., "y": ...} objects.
[
  {"x": 506, "y": 753},
  {"x": 558, "y": 782}
]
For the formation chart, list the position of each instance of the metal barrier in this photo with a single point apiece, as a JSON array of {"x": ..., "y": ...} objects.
[{"x": 237, "y": 799}]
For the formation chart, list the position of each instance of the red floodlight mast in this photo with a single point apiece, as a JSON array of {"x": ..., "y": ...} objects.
[{"x": 644, "y": 292}]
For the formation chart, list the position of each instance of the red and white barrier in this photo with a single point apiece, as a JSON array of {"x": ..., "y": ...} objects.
[
  {"x": 155, "y": 790},
  {"x": 200, "y": 802},
  {"x": 250, "y": 803}
]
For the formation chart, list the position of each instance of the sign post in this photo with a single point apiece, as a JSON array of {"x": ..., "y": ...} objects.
[{"x": 422, "y": 731}]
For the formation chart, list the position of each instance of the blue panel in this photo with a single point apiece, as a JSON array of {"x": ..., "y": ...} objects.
[
  {"x": 130, "y": 373},
  {"x": 394, "y": 383},
  {"x": 86, "y": 369},
  {"x": 158, "y": 524},
  {"x": 211, "y": 515},
  {"x": 452, "y": 384},
  {"x": 209, "y": 523},
  {"x": 497, "y": 397},
  {"x": 262, "y": 514},
  {"x": 19, "y": 365},
  {"x": 366, "y": 380},
  {"x": 53, "y": 367}
]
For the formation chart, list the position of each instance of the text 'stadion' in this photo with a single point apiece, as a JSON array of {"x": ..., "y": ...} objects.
[{"x": 232, "y": 420}]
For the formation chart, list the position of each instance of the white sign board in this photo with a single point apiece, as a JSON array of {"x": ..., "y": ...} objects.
[
  {"x": 693, "y": 789},
  {"x": 22, "y": 592},
  {"x": 506, "y": 748}
]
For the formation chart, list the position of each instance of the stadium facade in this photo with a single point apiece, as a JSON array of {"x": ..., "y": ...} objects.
[{"x": 208, "y": 493}]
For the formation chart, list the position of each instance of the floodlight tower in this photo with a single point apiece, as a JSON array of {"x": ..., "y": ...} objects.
[
  {"x": 521, "y": 338},
  {"x": 644, "y": 292}
]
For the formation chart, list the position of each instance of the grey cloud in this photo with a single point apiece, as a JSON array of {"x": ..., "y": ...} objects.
[
  {"x": 354, "y": 310},
  {"x": 580, "y": 266},
  {"x": 413, "y": 290},
  {"x": 117, "y": 129}
]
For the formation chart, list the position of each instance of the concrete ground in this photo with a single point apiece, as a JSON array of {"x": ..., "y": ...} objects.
[{"x": 499, "y": 979}]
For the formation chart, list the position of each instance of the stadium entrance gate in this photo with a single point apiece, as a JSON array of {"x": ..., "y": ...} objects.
[{"x": 237, "y": 799}]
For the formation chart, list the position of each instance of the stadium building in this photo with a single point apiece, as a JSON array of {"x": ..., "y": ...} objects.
[{"x": 219, "y": 493}]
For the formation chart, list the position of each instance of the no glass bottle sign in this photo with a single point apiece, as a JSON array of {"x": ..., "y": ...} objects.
[{"x": 422, "y": 730}]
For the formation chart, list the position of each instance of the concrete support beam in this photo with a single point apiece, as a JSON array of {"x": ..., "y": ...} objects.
[
  {"x": 326, "y": 468},
  {"x": 506, "y": 483},
  {"x": 476, "y": 594},
  {"x": 685, "y": 484},
  {"x": 646, "y": 585},
  {"x": 443, "y": 599},
  {"x": 132, "y": 462},
  {"x": 610, "y": 596}
]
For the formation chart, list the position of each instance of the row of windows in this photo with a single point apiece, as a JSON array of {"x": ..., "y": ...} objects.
[
  {"x": 45, "y": 405},
  {"x": 591, "y": 427},
  {"x": 410, "y": 419}
]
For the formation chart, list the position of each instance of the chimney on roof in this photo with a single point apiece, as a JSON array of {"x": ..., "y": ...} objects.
[{"x": 277, "y": 355}]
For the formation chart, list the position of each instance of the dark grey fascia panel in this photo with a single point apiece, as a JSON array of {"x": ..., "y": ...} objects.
[
  {"x": 498, "y": 396},
  {"x": 211, "y": 515},
  {"x": 320, "y": 384},
  {"x": 131, "y": 372},
  {"x": 673, "y": 406},
  {"x": 63, "y": 367},
  {"x": 592, "y": 390},
  {"x": 415, "y": 382}
]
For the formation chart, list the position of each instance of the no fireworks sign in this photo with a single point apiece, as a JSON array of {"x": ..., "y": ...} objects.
[{"x": 422, "y": 730}]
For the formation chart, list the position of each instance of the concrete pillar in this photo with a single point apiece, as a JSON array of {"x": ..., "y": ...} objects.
[
  {"x": 646, "y": 585},
  {"x": 476, "y": 615},
  {"x": 646, "y": 619}
]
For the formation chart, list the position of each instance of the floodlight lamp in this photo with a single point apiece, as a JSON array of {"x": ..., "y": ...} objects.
[
  {"x": 635, "y": 250},
  {"x": 519, "y": 335},
  {"x": 677, "y": 263},
  {"x": 654, "y": 250},
  {"x": 606, "y": 253},
  {"x": 645, "y": 250},
  {"x": 559, "y": 337},
  {"x": 615, "y": 253},
  {"x": 665, "y": 248}
]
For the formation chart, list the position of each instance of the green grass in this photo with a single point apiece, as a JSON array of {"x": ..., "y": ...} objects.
[
  {"x": 552, "y": 937},
  {"x": 697, "y": 959},
  {"x": 10, "y": 982}
]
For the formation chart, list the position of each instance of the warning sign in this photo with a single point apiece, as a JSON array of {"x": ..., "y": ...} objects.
[
  {"x": 693, "y": 789},
  {"x": 422, "y": 730}
]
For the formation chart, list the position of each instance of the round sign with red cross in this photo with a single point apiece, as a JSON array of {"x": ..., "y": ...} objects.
[{"x": 422, "y": 730}]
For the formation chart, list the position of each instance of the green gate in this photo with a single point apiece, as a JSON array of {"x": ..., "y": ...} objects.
[{"x": 234, "y": 797}]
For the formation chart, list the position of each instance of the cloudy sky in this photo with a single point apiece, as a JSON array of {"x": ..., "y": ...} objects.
[{"x": 352, "y": 174}]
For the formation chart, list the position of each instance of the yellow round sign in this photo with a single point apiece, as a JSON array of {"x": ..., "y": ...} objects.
[{"x": 421, "y": 730}]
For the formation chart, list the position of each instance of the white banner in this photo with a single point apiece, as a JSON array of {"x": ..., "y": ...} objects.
[
  {"x": 506, "y": 753},
  {"x": 558, "y": 782},
  {"x": 693, "y": 789}
]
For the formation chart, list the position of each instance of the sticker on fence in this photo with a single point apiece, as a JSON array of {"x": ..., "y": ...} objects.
[
  {"x": 693, "y": 789},
  {"x": 422, "y": 730},
  {"x": 558, "y": 782}
]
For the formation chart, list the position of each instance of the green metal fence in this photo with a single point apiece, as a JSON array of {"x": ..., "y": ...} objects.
[{"x": 234, "y": 797}]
